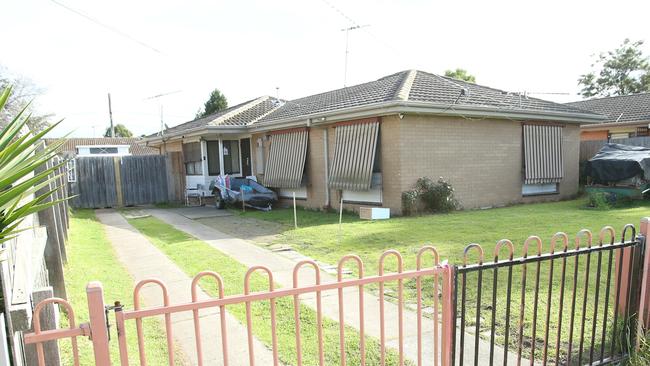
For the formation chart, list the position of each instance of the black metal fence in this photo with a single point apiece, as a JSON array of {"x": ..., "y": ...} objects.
[{"x": 569, "y": 306}]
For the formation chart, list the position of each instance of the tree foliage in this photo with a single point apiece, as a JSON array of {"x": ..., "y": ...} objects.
[
  {"x": 460, "y": 74},
  {"x": 22, "y": 171},
  {"x": 215, "y": 103},
  {"x": 622, "y": 71},
  {"x": 120, "y": 131},
  {"x": 23, "y": 91}
]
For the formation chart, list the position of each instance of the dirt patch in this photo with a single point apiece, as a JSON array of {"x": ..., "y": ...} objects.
[{"x": 258, "y": 231}]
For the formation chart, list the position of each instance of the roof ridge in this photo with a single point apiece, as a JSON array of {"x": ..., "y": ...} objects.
[
  {"x": 404, "y": 89},
  {"x": 236, "y": 111},
  {"x": 278, "y": 106}
]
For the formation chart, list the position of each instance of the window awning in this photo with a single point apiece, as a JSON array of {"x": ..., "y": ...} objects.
[
  {"x": 543, "y": 154},
  {"x": 354, "y": 156},
  {"x": 286, "y": 162}
]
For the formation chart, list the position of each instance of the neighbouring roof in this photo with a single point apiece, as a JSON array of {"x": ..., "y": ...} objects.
[
  {"x": 69, "y": 148},
  {"x": 434, "y": 93},
  {"x": 624, "y": 108}
]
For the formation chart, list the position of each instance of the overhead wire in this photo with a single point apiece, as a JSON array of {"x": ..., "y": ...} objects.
[{"x": 106, "y": 26}]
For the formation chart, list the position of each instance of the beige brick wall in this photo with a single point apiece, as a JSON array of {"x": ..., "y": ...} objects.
[{"x": 481, "y": 158}]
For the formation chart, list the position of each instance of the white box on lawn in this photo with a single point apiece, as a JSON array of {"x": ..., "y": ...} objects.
[{"x": 374, "y": 213}]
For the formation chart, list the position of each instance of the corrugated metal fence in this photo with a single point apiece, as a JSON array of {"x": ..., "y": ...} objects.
[
  {"x": 589, "y": 148},
  {"x": 120, "y": 181}
]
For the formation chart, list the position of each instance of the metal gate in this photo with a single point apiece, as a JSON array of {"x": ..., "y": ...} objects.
[{"x": 564, "y": 315}]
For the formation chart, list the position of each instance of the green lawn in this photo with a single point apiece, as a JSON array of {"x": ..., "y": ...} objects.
[
  {"x": 194, "y": 256},
  {"x": 318, "y": 237},
  {"x": 91, "y": 258}
]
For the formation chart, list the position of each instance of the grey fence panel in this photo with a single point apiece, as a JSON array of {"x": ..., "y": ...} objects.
[
  {"x": 139, "y": 180},
  {"x": 589, "y": 148}
]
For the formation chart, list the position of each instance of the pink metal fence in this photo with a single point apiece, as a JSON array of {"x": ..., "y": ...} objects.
[{"x": 97, "y": 329}]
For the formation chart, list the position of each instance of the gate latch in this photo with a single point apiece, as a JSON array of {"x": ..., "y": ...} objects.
[{"x": 107, "y": 309}]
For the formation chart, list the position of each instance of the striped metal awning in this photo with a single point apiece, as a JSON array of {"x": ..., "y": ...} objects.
[
  {"x": 354, "y": 155},
  {"x": 543, "y": 154},
  {"x": 287, "y": 156}
]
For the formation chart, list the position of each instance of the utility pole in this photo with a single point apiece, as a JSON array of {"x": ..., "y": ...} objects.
[
  {"x": 110, "y": 115},
  {"x": 347, "y": 38}
]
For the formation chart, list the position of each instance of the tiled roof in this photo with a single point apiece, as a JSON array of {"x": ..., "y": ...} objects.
[
  {"x": 418, "y": 86},
  {"x": 382, "y": 90},
  {"x": 624, "y": 108},
  {"x": 444, "y": 90},
  {"x": 70, "y": 146},
  {"x": 406, "y": 86},
  {"x": 238, "y": 115}
]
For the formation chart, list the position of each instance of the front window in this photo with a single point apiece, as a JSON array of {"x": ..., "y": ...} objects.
[
  {"x": 231, "y": 157},
  {"x": 193, "y": 161}
]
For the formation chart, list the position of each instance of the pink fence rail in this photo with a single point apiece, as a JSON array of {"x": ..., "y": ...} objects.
[{"x": 442, "y": 284}]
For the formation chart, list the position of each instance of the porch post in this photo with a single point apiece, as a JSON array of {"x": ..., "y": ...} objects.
[
  {"x": 204, "y": 161},
  {"x": 98, "y": 328},
  {"x": 221, "y": 171}
]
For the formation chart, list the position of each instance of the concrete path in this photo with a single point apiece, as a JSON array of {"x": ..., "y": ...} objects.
[
  {"x": 143, "y": 261},
  {"x": 250, "y": 254}
]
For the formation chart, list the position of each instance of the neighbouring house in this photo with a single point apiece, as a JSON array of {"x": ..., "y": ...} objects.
[
  {"x": 103, "y": 146},
  {"x": 627, "y": 116},
  {"x": 368, "y": 143}
]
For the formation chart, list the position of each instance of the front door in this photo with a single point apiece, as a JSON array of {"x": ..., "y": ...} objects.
[{"x": 245, "y": 145}]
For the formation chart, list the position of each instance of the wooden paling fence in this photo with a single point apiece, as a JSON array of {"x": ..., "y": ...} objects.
[
  {"x": 589, "y": 148},
  {"x": 118, "y": 181}
]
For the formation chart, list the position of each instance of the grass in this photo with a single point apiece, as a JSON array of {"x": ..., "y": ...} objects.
[
  {"x": 178, "y": 244},
  {"x": 91, "y": 258},
  {"x": 318, "y": 237}
]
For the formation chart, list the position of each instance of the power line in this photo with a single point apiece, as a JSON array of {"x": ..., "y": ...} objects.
[{"x": 106, "y": 26}]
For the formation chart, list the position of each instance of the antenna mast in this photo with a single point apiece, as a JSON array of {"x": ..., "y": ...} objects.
[{"x": 347, "y": 42}]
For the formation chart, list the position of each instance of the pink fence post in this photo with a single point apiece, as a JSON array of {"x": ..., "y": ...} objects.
[
  {"x": 448, "y": 321},
  {"x": 98, "y": 329},
  {"x": 644, "y": 306},
  {"x": 623, "y": 269}
]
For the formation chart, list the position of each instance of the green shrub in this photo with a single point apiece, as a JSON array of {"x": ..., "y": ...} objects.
[
  {"x": 429, "y": 196},
  {"x": 600, "y": 200}
]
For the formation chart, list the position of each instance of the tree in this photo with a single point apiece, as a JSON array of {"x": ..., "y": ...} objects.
[
  {"x": 23, "y": 91},
  {"x": 622, "y": 71},
  {"x": 120, "y": 131},
  {"x": 215, "y": 103},
  {"x": 460, "y": 74},
  {"x": 21, "y": 157}
]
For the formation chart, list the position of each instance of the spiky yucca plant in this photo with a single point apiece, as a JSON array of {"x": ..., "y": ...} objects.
[{"x": 21, "y": 155}]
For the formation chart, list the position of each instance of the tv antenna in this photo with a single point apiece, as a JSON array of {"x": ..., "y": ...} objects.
[
  {"x": 347, "y": 42},
  {"x": 159, "y": 98}
]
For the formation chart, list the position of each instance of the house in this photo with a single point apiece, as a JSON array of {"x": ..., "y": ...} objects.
[
  {"x": 627, "y": 116},
  {"x": 103, "y": 146},
  {"x": 368, "y": 143}
]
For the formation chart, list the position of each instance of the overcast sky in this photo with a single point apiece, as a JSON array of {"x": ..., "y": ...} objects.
[{"x": 247, "y": 48}]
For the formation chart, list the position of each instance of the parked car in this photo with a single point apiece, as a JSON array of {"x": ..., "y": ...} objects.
[{"x": 242, "y": 190}]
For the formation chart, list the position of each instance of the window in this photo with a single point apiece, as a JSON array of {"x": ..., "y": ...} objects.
[
  {"x": 231, "y": 157},
  {"x": 193, "y": 160},
  {"x": 259, "y": 156},
  {"x": 214, "y": 166},
  {"x": 539, "y": 189},
  {"x": 103, "y": 150}
]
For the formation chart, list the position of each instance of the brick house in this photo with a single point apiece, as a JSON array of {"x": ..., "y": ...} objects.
[
  {"x": 627, "y": 116},
  {"x": 369, "y": 143}
]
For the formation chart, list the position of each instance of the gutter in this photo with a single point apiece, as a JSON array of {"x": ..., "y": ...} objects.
[
  {"x": 615, "y": 124},
  {"x": 426, "y": 108}
]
